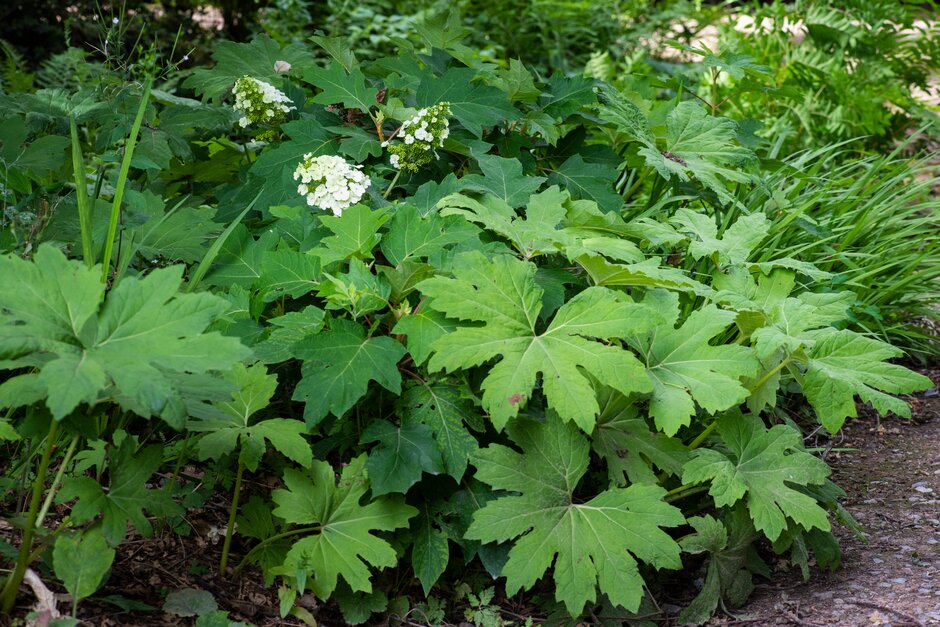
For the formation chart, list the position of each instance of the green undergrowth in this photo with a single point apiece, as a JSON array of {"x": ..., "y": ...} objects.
[{"x": 559, "y": 352}]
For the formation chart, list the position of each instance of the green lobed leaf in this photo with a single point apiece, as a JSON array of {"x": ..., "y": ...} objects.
[
  {"x": 339, "y": 85},
  {"x": 762, "y": 466},
  {"x": 593, "y": 543},
  {"x": 137, "y": 348},
  {"x": 504, "y": 179},
  {"x": 411, "y": 236},
  {"x": 345, "y": 545},
  {"x": 255, "y": 59},
  {"x": 843, "y": 365},
  {"x": 127, "y": 497},
  {"x": 339, "y": 365},
  {"x": 735, "y": 244},
  {"x": 686, "y": 369},
  {"x": 441, "y": 407},
  {"x": 476, "y": 106},
  {"x": 403, "y": 454},
  {"x": 629, "y": 447},
  {"x": 502, "y": 294}
]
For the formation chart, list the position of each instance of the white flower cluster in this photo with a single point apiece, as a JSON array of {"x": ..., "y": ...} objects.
[
  {"x": 420, "y": 135},
  {"x": 330, "y": 183},
  {"x": 260, "y": 102}
]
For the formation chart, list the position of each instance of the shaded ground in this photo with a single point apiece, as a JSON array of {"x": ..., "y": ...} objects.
[{"x": 893, "y": 486}]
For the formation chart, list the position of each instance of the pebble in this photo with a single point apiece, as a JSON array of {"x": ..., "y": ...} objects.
[
  {"x": 878, "y": 560},
  {"x": 898, "y": 580}
]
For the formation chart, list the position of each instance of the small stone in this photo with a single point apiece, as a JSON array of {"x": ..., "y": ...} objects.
[
  {"x": 877, "y": 560},
  {"x": 824, "y": 595},
  {"x": 898, "y": 580}
]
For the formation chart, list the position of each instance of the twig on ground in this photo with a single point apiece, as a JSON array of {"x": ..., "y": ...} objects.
[{"x": 876, "y": 606}]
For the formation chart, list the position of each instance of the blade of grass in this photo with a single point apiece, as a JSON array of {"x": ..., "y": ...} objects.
[
  {"x": 213, "y": 251},
  {"x": 122, "y": 182}
]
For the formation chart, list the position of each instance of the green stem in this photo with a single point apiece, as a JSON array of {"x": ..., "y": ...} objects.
[
  {"x": 230, "y": 528},
  {"x": 683, "y": 491},
  {"x": 122, "y": 182},
  {"x": 81, "y": 196},
  {"x": 266, "y": 542},
  {"x": 55, "y": 482},
  {"x": 764, "y": 379},
  {"x": 697, "y": 442},
  {"x": 179, "y": 464},
  {"x": 392, "y": 184},
  {"x": 12, "y": 587}
]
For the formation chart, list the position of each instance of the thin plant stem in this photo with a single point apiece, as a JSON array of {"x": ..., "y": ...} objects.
[
  {"x": 50, "y": 494},
  {"x": 122, "y": 182},
  {"x": 12, "y": 587},
  {"x": 266, "y": 542},
  {"x": 179, "y": 464},
  {"x": 392, "y": 184},
  {"x": 230, "y": 528}
]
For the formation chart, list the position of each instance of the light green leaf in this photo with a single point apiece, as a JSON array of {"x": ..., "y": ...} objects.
[
  {"x": 648, "y": 273},
  {"x": 843, "y": 365},
  {"x": 81, "y": 561},
  {"x": 686, "y": 369},
  {"x": 762, "y": 466},
  {"x": 696, "y": 145},
  {"x": 129, "y": 472},
  {"x": 732, "y": 559},
  {"x": 423, "y": 328},
  {"x": 592, "y": 543},
  {"x": 287, "y": 273},
  {"x": 355, "y": 233},
  {"x": 344, "y": 545},
  {"x": 502, "y": 294},
  {"x": 412, "y": 236},
  {"x": 504, "y": 179},
  {"x": 286, "y": 331},
  {"x": 628, "y": 446},
  {"x": 138, "y": 348},
  {"x": 734, "y": 246}
]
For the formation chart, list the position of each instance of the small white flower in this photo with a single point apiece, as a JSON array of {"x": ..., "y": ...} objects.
[
  {"x": 115, "y": 20},
  {"x": 281, "y": 67}
]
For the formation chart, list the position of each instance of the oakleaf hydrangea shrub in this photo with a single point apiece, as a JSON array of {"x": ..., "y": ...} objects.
[{"x": 466, "y": 361}]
